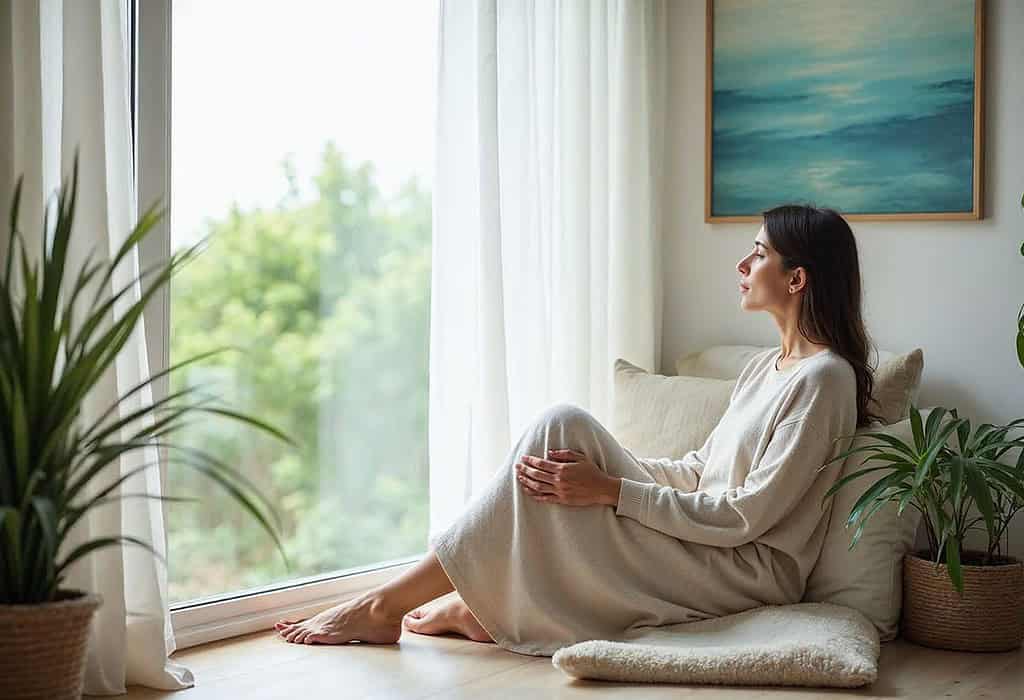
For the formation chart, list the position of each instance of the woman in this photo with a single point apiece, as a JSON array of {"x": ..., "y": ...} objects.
[{"x": 575, "y": 538}]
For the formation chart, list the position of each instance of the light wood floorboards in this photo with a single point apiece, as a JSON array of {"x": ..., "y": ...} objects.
[{"x": 262, "y": 666}]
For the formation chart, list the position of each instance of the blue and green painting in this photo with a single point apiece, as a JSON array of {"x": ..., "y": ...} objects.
[{"x": 866, "y": 107}]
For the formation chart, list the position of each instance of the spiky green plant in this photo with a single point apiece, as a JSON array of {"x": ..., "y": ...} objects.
[
  {"x": 53, "y": 352},
  {"x": 942, "y": 482}
]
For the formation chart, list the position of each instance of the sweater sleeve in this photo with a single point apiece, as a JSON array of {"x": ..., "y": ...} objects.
[
  {"x": 739, "y": 515},
  {"x": 683, "y": 473}
]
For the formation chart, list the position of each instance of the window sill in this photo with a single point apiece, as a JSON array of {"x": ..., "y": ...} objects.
[{"x": 209, "y": 620}]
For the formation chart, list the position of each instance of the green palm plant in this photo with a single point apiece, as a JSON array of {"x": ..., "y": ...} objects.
[
  {"x": 942, "y": 482},
  {"x": 51, "y": 465}
]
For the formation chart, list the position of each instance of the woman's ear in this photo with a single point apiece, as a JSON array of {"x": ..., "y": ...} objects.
[{"x": 797, "y": 280}]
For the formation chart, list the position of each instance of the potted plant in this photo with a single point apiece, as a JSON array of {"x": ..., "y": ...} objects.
[
  {"x": 54, "y": 464},
  {"x": 952, "y": 598}
]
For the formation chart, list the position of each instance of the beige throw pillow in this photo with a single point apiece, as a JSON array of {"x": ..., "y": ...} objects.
[
  {"x": 869, "y": 578},
  {"x": 662, "y": 416},
  {"x": 896, "y": 385}
]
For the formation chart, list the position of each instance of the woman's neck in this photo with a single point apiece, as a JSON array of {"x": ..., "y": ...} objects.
[
  {"x": 794, "y": 344},
  {"x": 798, "y": 348}
]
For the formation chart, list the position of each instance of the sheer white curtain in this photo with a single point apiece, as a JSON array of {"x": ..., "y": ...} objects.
[
  {"x": 546, "y": 236},
  {"x": 69, "y": 77}
]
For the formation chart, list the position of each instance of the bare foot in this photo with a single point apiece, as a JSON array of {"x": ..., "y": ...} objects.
[
  {"x": 447, "y": 615},
  {"x": 362, "y": 619}
]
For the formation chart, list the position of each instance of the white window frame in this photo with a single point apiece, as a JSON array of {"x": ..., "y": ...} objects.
[{"x": 240, "y": 612}]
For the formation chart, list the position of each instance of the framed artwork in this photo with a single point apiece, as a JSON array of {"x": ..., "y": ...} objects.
[{"x": 873, "y": 108}]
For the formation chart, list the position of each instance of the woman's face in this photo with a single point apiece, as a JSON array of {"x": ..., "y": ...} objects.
[{"x": 763, "y": 284}]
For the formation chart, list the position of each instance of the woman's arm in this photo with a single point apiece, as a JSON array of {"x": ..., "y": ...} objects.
[
  {"x": 739, "y": 515},
  {"x": 683, "y": 473}
]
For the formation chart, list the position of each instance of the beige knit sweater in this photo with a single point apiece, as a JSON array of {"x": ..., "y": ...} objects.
[{"x": 756, "y": 477}]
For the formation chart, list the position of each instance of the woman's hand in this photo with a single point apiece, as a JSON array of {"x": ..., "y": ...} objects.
[{"x": 567, "y": 477}]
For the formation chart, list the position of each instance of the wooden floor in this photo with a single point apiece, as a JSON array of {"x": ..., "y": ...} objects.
[{"x": 262, "y": 665}]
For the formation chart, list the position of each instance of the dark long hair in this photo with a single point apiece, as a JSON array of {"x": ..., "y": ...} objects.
[{"x": 821, "y": 241}]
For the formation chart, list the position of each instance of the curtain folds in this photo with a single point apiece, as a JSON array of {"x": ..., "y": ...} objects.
[
  {"x": 546, "y": 228},
  {"x": 70, "y": 80}
]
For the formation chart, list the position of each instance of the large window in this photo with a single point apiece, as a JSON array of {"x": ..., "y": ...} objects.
[{"x": 302, "y": 145}]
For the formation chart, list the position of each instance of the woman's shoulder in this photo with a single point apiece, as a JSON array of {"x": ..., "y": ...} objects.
[
  {"x": 830, "y": 364},
  {"x": 827, "y": 372},
  {"x": 825, "y": 394},
  {"x": 756, "y": 365},
  {"x": 759, "y": 360}
]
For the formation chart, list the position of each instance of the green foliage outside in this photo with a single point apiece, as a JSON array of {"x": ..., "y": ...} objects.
[{"x": 329, "y": 304}]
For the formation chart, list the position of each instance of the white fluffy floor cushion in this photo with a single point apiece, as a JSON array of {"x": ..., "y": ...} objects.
[{"x": 805, "y": 644}]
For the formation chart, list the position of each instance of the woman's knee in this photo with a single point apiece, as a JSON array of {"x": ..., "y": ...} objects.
[
  {"x": 567, "y": 415},
  {"x": 563, "y": 411}
]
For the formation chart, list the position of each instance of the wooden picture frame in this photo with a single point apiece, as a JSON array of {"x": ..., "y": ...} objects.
[{"x": 741, "y": 201}]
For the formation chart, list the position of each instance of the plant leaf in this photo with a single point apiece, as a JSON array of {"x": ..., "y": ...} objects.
[
  {"x": 915, "y": 425},
  {"x": 934, "y": 449},
  {"x": 100, "y": 542},
  {"x": 864, "y": 521},
  {"x": 75, "y": 512},
  {"x": 10, "y": 524},
  {"x": 898, "y": 444},
  {"x": 953, "y": 562},
  {"x": 875, "y": 491},
  {"x": 934, "y": 417},
  {"x": 251, "y": 421},
  {"x": 956, "y": 479},
  {"x": 907, "y": 495},
  {"x": 218, "y": 473},
  {"x": 15, "y": 205},
  {"x": 169, "y": 499},
  {"x": 1012, "y": 481},
  {"x": 47, "y": 517},
  {"x": 143, "y": 384},
  {"x": 848, "y": 478},
  {"x": 979, "y": 490}
]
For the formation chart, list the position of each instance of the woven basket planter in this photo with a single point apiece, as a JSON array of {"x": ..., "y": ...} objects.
[
  {"x": 42, "y": 647},
  {"x": 989, "y": 616}
]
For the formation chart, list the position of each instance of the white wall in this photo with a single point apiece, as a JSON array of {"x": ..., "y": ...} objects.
[{"x": 952, "y": 288}]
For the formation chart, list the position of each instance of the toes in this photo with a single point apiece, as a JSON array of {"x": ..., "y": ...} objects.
[
  {"x": 313, "y": 638},
  {"x": 285, "y": 626},
  {"x": 301, "y": 636},
  {"x": 293, "y": 633},
  {"x": 424, "y": 623}
]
